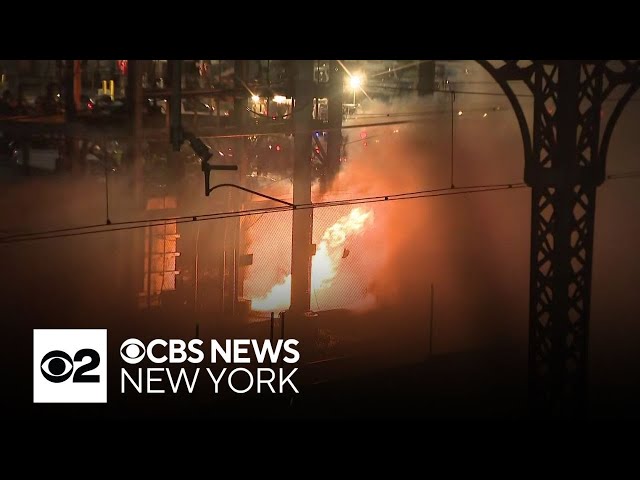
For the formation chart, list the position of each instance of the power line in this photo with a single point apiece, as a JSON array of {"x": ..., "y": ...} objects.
[
  {"x": 427, "y": 112},
  {"x": 134, "y": 224},
  {"x": 331, "y": 129},
  {"x": 320, "y": 129},
  {"x": 151, "y": 136},
  {"x": 249, "y": 212},
  {"x": 128, "y": 222},
  {"x": 524, "y": 95},
  {"x": 492, "y": 94},
  {"x": 130, "y": 225}
]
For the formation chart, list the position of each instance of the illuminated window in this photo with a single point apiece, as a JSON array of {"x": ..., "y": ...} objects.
[{"x": 160, "y": 252}]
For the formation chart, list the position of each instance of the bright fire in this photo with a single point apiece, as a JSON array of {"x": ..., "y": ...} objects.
[{"x": 325, "y": 263}]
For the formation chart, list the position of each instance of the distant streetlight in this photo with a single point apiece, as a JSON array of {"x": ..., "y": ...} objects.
[
  {"x": 255, "y": 98},
  {"x": 355, "y": 82}
]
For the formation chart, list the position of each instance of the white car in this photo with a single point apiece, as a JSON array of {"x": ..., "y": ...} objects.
[{"x": 43, "y": 156}]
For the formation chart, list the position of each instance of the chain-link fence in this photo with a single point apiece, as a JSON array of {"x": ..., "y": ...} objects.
[{"x": 342, "y": 256}]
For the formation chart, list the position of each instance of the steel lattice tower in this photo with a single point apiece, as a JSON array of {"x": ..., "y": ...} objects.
[{"x": 565, "y": 155}]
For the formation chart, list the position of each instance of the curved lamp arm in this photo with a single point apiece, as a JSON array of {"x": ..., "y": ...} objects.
[{"x": 232, "y": 185}]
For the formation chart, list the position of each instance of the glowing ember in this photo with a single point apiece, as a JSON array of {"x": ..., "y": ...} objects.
[{"x": 325, "y": 262}]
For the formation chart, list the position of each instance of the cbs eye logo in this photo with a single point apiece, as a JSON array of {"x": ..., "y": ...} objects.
[
  {"x": 59, "y": 377},
  {"x": 57, "y": 366},
  {"x": 132, "y": 351}
]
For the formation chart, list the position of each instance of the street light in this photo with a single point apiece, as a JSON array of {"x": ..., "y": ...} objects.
[
  {"x": 202, "y": 150},
  {"x": 355, "y": 82}
]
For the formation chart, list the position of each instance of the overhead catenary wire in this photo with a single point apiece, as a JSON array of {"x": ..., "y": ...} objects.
[
  {"x": 468, "y": 92},
  {"x": 135, "y": 224},
  {"x": 442, "y": 111},
  {"x": 422, "y": 119},
  {"x": 326, "y": 129},
  {"x": 318, "y": 129},
  {"x": 251, "y": 211},
  {"x": 4, "y": 239},
  {"x": 205, "y": 136}
]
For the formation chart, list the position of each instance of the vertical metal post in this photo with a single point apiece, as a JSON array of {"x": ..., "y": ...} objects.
[
  {"x": 69, "y": 115},
  {"x": 175, "y": 104},
  {"x": 303, "y": 218},
  {"x": 77, "y": 83},
  {"x": 334, "y": 139},
  {"x": 271, "y": 329},
  {"x": 281, "y": 333},
  {"x": 135, "y": 91}
]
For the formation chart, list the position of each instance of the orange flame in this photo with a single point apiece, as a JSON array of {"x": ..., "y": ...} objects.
[
  {"x": 325, "y": 263},
  {"x": 278, "y": 298}
]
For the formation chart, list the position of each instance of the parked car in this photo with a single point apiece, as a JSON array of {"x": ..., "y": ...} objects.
[
  {"x": 104, "y": 105},
  {"x": 44, "y": 154}
]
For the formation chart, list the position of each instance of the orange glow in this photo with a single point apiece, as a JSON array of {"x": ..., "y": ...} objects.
[
  {"x": 160, "y": 255},
  {"x": 269, "y": 240},
  {"x": 278, "y": 298},
  {"x": 325, "y": 264}
]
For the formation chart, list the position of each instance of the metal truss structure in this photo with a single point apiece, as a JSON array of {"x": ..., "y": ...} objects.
[{"x": 565, "y": 155}]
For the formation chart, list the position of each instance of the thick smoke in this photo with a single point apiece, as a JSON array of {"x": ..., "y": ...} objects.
[{"x": 472, "y": 247}]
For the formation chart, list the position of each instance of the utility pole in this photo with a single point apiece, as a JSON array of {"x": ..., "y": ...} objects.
[
  {"x": 135, "y": 102},
  {"x": 136, "y": 239},
  {"x": 301, "y": 249},
  {"x": 69, "y": 159},
  {"x": 173, "y": 123},
  {"x": 235, "y": 197},
  {"x": 69, "y": 94},
  {"x": 77, "y": 83},
  {"x": 334, "y": 140},
  {"x": 426, "y": 77}
]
